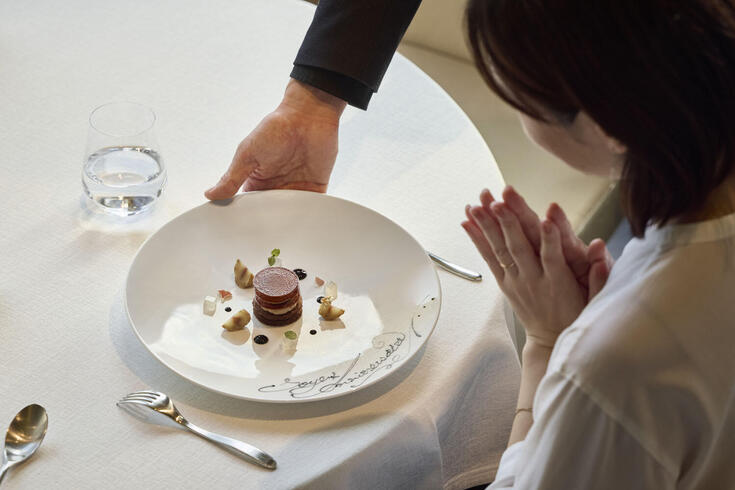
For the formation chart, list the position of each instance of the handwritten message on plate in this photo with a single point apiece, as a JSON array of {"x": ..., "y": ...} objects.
[{"x": 389, "y": 350}]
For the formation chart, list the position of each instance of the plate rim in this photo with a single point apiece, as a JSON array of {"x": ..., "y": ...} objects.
[{"x": 329, "y": 396}]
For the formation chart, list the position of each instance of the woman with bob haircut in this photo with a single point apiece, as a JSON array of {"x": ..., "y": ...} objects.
[{"x": 628, "y": 372}]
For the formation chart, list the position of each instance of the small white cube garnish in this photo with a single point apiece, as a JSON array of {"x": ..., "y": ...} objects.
[
  {"x": 210, "y": 305},
  {"x": 290, "y": 340},
  {"x": 330, "y": 289}
]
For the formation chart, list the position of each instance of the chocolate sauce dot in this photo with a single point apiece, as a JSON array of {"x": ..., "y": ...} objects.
[
  {"x": 260, "y": 339},
  {"x": 319, "y": 299},
  {"x": 228, "y": 309},
  {"x": 300, "y": 273},
  {"x": 313, "y": 332}
]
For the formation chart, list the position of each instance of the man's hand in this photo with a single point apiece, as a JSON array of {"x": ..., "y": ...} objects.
[{"x": 293, "y": 147}]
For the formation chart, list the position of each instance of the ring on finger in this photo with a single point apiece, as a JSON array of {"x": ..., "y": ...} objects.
[
  {"x": 505, "y": 253},
  {"x": 507, "y": 266}
]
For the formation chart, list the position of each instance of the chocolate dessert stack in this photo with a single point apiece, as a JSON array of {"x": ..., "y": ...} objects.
[{"x": 277, "y": 299}]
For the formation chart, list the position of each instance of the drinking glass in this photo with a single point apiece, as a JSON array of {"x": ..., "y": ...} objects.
[{"x": 123, "y": 170}]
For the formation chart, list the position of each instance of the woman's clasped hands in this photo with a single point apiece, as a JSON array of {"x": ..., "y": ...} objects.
[{"x": 547, "y": 273}]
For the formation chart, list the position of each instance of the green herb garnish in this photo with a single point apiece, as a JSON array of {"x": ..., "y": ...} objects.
[
  {"x": 290, "y": 335},
  {"x": 274, "y": 253}
]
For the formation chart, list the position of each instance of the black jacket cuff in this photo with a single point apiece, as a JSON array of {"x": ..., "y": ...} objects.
[{"x": 348, "y": 89}]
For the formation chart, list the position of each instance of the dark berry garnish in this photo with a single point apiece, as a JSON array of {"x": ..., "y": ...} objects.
[
  {"x": 300, "y": 273},
  {"x": 228, "y": 309},
  {"x": 319, "y": 299},
  {"x": 313, "y": 332},
  {"x": 260, "y": 339}
]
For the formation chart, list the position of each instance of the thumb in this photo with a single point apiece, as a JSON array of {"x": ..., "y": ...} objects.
[
  {"x": 599, "y": 272},
  {"x": 598, "y": 252},
  {"x": 601, "y": 263},
  {"x": 575, "y": 252},
  {"x": 241, "y": 167}
]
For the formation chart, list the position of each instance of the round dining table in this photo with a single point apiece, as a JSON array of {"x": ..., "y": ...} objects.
[{"x": 211, "y": 70}]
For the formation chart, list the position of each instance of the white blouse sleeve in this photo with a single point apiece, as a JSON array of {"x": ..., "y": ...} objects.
[{"x": 575, "y": 443}]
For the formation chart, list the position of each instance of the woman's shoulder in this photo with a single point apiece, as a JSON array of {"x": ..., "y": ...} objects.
[
  {"x": 673, "y": 303},
  {"x": 676, "y": 310},
  {"x": 654, "y": 350}
]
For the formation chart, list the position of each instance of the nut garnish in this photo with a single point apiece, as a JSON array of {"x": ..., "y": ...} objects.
[
  {"x": 328, "y": 311},
  {"x": 243, "y": 277},
  {"x": 238, "y": 321}
]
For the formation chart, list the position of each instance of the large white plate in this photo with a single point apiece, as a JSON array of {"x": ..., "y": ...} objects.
[{"x": 387, "y": 285}]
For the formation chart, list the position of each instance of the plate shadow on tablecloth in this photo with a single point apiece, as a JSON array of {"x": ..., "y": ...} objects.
[
  {"x": 156, "y": 376},
  {"x": 384, "y": 450}
]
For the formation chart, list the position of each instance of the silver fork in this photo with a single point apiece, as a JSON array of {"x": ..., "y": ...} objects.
[{"x": 156, "y": 407}]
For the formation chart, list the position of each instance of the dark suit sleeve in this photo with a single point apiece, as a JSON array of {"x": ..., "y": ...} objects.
[{"x": 349, "y": 45}]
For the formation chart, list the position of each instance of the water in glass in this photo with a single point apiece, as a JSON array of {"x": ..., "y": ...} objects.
[
  {"x": 123, "y": 171},
  {"x": 124, "y": 179}
]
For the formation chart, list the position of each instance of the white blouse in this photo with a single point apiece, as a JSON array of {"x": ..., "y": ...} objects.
[{"x": 640, "y": 389}]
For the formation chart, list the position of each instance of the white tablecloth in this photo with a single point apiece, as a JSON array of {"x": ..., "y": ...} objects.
[{"x": 211, "y": 70}]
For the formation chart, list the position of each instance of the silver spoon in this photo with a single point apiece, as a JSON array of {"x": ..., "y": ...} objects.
[{"x": 24, "y": 436}]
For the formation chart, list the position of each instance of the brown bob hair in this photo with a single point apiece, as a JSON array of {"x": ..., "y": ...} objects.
[{"x": 657, "y": 75}]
